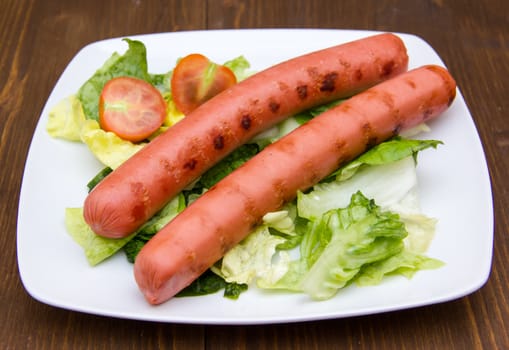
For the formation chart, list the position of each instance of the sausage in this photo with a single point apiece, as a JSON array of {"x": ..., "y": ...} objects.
[
  {"x": 205, "y": 231},
  {"x": 142, "y": 185}
]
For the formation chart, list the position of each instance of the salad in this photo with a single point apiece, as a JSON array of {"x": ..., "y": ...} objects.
[{"x": 359, "y": 225}]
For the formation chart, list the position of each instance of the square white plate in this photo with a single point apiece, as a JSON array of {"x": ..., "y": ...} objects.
[{"x": 454, "y": 185}]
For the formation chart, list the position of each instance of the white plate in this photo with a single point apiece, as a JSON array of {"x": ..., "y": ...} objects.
[{"x": 454, "y": 185}]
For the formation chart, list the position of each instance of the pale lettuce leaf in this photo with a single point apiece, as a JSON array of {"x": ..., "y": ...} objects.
[
  {"x": 107, "y": 147},
  {"x": 421, "y": 230},
  {"x": 257, "y": 255},
  {"x": 250, "y": 258},
  {"x": 65, "y": 119},
  {"x": 405, "y": 263},
  {"x": 392, "y": 185}
]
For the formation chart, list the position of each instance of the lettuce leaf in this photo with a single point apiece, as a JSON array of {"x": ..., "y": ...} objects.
[
  {"x": 132, "y": 63},
  {"x": 240, "y": 67},
  {"x": 95, "y": 247},
  {"x": 153, "y": 225},
  {"x": 257, "y": 255},
  {"x": 338, "y": 247},
  {"x": 98, "y": 248},
  {"x": 386, "y": 173},
  {"x": 250, "y": 258},
  {"x": 338, "y": 244},
  {"x": 386, "y": 152},
  {"x": 405, "y": 263},
  {"x": 75, "y": 118},
  {"x": 231, "y": 162},
  {"x": 173, "y": 115},
  {"x": 289, "y": 124},
  {"x": 65, "y": 119},
  {"x": 421, "y": 230},
  {"x": 209, "y": 283},
  {"x": 107, "y": 147},
  {"x": 393, "y": 186},
  {"x": 346, "y": 239},
  {"x": 98, "y": 178}
]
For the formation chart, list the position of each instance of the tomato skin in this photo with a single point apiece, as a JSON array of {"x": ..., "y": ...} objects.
[
  {"x": 196, "y": 79},
  {"x": 131, "y": 108}
]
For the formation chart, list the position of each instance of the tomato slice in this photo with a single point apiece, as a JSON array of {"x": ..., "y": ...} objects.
[
  {"x": 131, "y": 108},
  {"x": 196, "y": 79}
]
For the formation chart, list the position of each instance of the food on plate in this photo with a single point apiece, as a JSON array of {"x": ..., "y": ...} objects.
[
  {"x": 201, "y": 234},
  {"x": 196, "y": 80},
  {"x": 358, "y": 225},
  {"x": 131, "y": 108},
  {"x": 142, "y": 185}
]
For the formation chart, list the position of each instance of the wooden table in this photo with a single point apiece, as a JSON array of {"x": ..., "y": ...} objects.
[{"x": 38, "y": 39}]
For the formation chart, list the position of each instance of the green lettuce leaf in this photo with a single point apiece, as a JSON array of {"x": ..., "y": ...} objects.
[
  {"x": 231, "y": 162},
  {"x": 95, "y": 247},
  {"x": 209, "y": 283},
  {"x": 206, "y": 283},
  {"x": 405, "y": 263},
  {"x": 161, "y": 82},
  {"x": 98, "y": 178},
  {"x": 347, "y": 239},
  {"x": 153, "y": 225},
  {"x": 132, "y": 63},
  {"x": 338, "y": 244},
  {"x": 289, "y": 124},
  {"x": 386, "y": 152},
  {"x": 98, "y": 248},
  {"x": 240, "y": 67}
]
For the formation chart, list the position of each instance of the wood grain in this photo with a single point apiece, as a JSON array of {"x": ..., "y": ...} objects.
[{"x": 38, "y": 39}]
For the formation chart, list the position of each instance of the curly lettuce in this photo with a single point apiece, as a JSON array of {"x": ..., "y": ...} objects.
[{"x": 350, "y": 229}]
